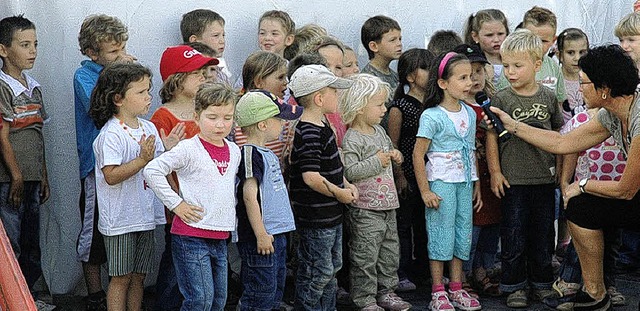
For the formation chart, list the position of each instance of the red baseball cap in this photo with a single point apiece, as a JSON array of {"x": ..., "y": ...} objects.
[{"x": 182, "y": 58}]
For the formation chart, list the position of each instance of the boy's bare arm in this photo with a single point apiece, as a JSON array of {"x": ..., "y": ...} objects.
[
  {"x": 9, "y": 157},
  {"x": 115, "y": 174},
  {"x": 250, "y": 198},
  {"x": 498, "y": 181},
  {"x": 318, "y": 183}
]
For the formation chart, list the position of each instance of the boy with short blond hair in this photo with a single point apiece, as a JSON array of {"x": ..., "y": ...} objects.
[
  {"x": 276, "y": 31},
  {"x": 382, "y": 38},
  {"x": 24, "y": 185},
  {"x": 543, "y": 23},
  {"x": 318, "y": 189},
  {"x": 207, "y": 27},
  {"x": 103, "y": 39},
  {"x": 524, "y": 176},
  {"x": 628, "y": 32}
]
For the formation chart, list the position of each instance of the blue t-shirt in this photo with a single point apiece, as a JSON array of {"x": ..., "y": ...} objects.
[
  {"x": 84, "y": 81},
  {"x": 263, "y": 165}
]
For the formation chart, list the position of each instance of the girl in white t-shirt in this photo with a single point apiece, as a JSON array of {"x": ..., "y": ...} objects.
[
  {"x": 448, "y": 182},
  {"x": 126, "y": 143}
]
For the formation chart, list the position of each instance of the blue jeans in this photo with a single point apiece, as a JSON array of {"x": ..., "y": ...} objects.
[
  {"x": 168, "y": 297},
  {"x": 22, "y": 225},
  {"x": 527, "y": 237},
  {"x": 630, "y": 248},
  {"x": 319, "y": 259},
  {"x": 201, "y": 266},
  {"x": 263, "y": 276},
  {"x": 484, "y": 247}
]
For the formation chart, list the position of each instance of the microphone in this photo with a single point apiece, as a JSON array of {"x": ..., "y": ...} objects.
[{"x": 485, "y": 103}]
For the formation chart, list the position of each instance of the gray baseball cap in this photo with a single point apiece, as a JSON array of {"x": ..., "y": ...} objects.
[{"x": 311, "y": 78}]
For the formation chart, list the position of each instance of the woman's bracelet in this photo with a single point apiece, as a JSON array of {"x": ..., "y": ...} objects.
[{"x": 515, "y": 128}]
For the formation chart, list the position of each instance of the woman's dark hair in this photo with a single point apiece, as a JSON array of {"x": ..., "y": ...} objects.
[
  {"x": 113, "y": 80},
  {"x": 410, "y": 61},
  {"x": 435, "y": 94},
  {"x": 610, "y": 66}
]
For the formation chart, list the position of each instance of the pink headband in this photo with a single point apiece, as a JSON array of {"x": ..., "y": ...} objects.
[{"x": 443, "y": 63}]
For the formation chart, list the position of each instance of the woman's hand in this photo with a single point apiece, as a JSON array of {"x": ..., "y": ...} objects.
[
  {"x": 508, "y": 122},
  {"x": 570, "y": 191}
]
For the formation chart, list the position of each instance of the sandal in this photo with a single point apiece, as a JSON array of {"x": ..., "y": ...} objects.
[
  {"x": 470, "y": 290},
  {"x": 490, "y": 288}
]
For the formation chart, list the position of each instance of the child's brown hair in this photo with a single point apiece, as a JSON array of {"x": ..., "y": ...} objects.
[
  {"x": 283, "y": 17},
  {"x": 100, "y": 28},
  {"x": 539, "y": 16},
  {"x": 195, "y": 22},
  {"x": 374, "y": 28}
]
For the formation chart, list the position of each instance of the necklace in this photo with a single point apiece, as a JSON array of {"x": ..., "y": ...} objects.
[{"x": 126, "y": 129}]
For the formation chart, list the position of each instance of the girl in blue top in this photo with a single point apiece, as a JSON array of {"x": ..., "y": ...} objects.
[{"x": 448, "y": 182}]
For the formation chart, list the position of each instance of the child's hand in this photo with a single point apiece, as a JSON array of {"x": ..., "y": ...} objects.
[
  {"x": 431, "y": 200},
  {"x": 44, "y": 191},
  {"x": 384, "y": 157},
  {"x": 15, "y": 191},
  {"x": 265, "y": 244},
  {"x": 346, "y": 195},
  {"x": 396, "y": 156},
  {"x": 174, "y": 137},
  {"x": 477, "y": 197},
  {"x": 147, "y": 148},
  {"x": 401, "y": 185},
  {"x": 354, "y": 191},
  {"x": 570, "y": 191},
  {"x": 188, "y": 213},
  {"x": 126, "y": 58},
  {"x": 498, "y": 183}
]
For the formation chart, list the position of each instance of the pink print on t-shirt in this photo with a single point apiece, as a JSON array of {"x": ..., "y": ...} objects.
[{"x": 219, "y": 155}]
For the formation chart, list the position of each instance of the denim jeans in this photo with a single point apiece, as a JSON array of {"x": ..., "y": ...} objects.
[
  {"x": 201, "y": 266},
  {"x": 527, "y": 237},
  {"x": 22, "y": 225},
  {"x": 630, "y": 248},
  {"x": 263, "y": 276},
  {"x": 168, "y": 297},
  {"x": 484, "y": 247},
  {"x": 319, "y": 259}
]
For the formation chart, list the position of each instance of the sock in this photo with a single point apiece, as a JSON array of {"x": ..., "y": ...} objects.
[
  {"x": 455, "y": 286},
  {"x": 437, "y": 288}
]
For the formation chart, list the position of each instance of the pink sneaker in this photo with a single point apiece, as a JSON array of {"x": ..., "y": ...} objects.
[
  {"x": 440, "y": 302},
  {"x": 463, "y": 301}
]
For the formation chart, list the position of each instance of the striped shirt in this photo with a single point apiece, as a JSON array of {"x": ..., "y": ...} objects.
[{"x": 315, "y": 150}]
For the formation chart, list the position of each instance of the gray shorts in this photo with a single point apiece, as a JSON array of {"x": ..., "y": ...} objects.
[{"x": 130, "y": 252}]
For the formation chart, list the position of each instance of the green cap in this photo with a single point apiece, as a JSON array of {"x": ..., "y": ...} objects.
[{"x": 260, "y": 105}]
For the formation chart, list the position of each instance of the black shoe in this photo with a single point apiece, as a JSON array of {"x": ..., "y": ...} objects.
[
  {"x": 584, "y": 302},
  {"x": 560, "y": 303},
  {"x": 97, "y": 301}
]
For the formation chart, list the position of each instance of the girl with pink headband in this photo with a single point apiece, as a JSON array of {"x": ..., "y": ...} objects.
[{"x": 448, "y": 182}]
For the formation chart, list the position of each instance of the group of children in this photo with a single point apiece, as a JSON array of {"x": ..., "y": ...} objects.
[{"x": 399, "y": 166}]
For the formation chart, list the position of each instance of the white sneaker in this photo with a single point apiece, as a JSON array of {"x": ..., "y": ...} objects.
[{"x": 43, "y": 306}]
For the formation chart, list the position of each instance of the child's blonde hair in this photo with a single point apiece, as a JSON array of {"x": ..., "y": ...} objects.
[
  {"x": 475, "y": 21},
  {"x": 523, "y": 41},
  {"x": 628, "y": 25},
  {"x": 305, "y": 35},
  {"x": 355, "y": 98},
  {"x": 259, "y": 65},
  {"x": 538, "y": 16},
  {"x": 283, "y": 17},
  {"x": 100, "y": 28},
  {"x": 214, "y": 94}
]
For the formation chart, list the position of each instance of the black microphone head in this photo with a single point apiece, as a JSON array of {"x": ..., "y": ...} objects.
[{"x": 481, "y": 97}]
